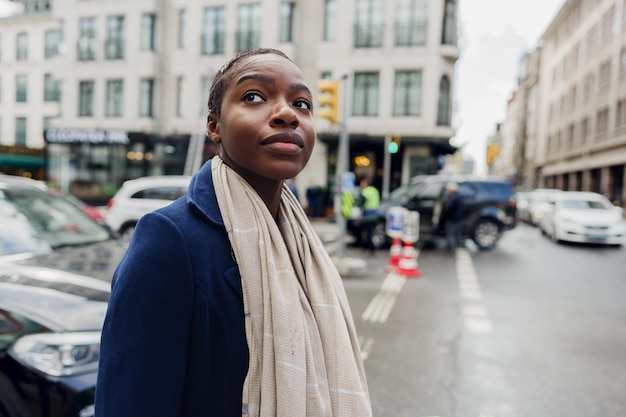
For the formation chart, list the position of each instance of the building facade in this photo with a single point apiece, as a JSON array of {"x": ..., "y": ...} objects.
[{"x": 111, "y": 90}]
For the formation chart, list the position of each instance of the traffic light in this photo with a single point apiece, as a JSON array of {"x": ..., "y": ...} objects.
[
  {"x": 328, "y": 100},
  {"x": 394, "y": 144},
  {"x": 493, "y": 150}
]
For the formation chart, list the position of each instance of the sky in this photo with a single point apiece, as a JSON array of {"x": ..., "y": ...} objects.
[{"x": 493, "y": 36}]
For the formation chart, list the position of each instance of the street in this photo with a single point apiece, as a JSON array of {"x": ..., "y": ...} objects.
[{"x": 532, "y": 328}]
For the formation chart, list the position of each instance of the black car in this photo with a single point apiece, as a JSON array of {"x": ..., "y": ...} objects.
[
  {"x": 490, "y": 206},
  {"x": 56, "y": 264}
]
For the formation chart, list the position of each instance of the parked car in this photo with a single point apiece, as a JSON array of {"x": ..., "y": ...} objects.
[
  {"x": 56, "y": 265},
  {"x": 490, "y": 209},
  {"x": 538, "y": 202},
  {"x": 140, "y": 196},
  {"x": 583, "y": 217}
]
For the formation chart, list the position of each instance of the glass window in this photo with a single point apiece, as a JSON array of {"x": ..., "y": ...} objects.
[
  {"x": 365, "y": 100},
  {"x": 86, "y": 98},
  {"x": 147, "y": 32},
  {"x": 444, "y": 106},
  {"x": 213, "y": 28},
  {"x": 368, "y": 30},
  {"x": 205, "y": 82},
  {"x": 330, "y": 20},
  {"x": 51, "y": 88},
  {"x": 411, "y": 22},
  {"x": 52, "y": 39},
  {"x": 21, "y": 88},
  {"x": 20, "y": 131},
  {"x": 87, "y": 39},
  {"x": 21, "y": 50},
  {"x": 146, "y": 97},
  {"x": 286, "y": 22},
  {"x": 407, "y": 93},
  {"x": 179, "y": 96},
  {"x": 248, "y": 26},
  {"x": 47, "y": 122},
  {"x": 115, "y": 37},
  {"x": 182, "y": 19},
  {"x": 449, "y": 35},
  {"x": 114, "y": 98}
]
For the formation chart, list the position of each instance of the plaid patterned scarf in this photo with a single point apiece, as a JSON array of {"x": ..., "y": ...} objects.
[{"x": 305, "y": 359}]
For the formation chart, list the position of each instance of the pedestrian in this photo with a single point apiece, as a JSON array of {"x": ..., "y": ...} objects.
[
  {"x": 454, "y": 216},
  {"x": 369, "y": 202},
  {"x": 226, "y": 303}
]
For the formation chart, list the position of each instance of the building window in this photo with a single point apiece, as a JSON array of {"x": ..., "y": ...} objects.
[
  {"x": 607, "y": 24},
  {"x": 213, "y": 29},
  {"x": 365, "y": 99},
  {"x": 584, "y": 130},
  {"x": 604, "y": 77},
  {"x": 47, "y": 123},
  {"x": 407, "y": 93},
  {"x": 51, "y": 88},
  {"x": 286, "y": 22},
  {"x": 148, "y": 22},
  {"x": 21, "y": 50},
  {"x": 411, "y": 22},
  {"x": 368, "y": 30},
  {"x": 52, "y": 39},
  {"x": 182, "y": 19},
  {"x": 87, "y": 39},
  {"x": 146, "y": 97},
  {"x": 85, "y": 98},
  {"x": 448, "y": 36},
  {"x": 248, "y": 26},
  {"x": 330, "y": 20},
  {"x": 20, "y": 131},
  {"x": 21, "y": 88},
  {"x": 620, "y": 119},
  {"x": 602, "y": 121},
  {"x": 115, "y": 37},
  {"x": 205, "y": 83},
  {"x": 179, "y": 96},
  {"x": 444, "y": 109},
  {"x": 114, "y": 98}
]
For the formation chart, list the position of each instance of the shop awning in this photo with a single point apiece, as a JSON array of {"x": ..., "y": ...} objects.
[{"x": 20, "y": 161}]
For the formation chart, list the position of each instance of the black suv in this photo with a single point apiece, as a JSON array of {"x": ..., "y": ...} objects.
[{"x": 490, "y": 205}]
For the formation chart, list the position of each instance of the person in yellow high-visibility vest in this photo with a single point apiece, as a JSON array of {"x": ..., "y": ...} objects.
[{"x": 370, "y": 201}]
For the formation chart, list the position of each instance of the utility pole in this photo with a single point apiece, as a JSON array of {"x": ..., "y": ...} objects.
[{"x": 342, "y": 167}]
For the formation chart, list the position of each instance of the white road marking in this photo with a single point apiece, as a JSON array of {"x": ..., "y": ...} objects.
[
  {"x": 473, "y": 310},
  {"x": 380, "y": 307},
  {"x": 366, "y": 346}
]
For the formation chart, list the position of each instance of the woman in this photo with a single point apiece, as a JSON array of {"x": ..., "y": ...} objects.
[{"x": 226, "y": 303}]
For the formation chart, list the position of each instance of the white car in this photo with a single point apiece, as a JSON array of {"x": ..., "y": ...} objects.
[
  {"x": 584, "y": 217},
  {"x": 140, "y": 196},
  {"x": 538, "y": 202}
]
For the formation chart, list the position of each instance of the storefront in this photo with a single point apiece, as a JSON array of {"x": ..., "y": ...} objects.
[
  {"x": 93, "y": 163},
  {"x": 22, "y": 161}
]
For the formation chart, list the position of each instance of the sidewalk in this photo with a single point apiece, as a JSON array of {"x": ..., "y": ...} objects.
[{"x": 328, "y": 232}]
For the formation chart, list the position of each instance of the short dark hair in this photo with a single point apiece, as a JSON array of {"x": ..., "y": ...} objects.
[{"x": 224, "y": 75}]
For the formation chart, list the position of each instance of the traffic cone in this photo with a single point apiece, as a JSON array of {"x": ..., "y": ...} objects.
[
  {"x": 395, "y": 252},
  {"x": 407, "y": 265}
]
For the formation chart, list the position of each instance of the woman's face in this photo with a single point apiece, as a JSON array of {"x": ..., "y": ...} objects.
[{"x": 266, "y": 123}]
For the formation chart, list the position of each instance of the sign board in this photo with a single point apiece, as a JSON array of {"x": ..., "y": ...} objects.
[
  {"x": 347, "y": 181},
  {"x": 394, "y": 221}
]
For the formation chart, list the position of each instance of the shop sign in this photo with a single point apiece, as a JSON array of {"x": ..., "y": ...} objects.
[{"x": 90, "y": 136}]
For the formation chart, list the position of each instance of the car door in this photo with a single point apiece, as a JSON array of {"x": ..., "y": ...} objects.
[{"x": 425, "y": 200}]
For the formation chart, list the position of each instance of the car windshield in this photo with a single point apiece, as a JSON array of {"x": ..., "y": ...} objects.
[
  {"x": 33, "y": 222},
  {"x": 585, "y": 204}
]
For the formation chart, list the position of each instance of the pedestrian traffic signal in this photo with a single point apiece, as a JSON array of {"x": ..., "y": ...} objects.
[
  {"x": 328, "y": 100},
  {"x": 394, "y": 144}
]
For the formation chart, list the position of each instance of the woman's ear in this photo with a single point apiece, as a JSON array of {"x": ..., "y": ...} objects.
[{"x": 213, "y": 128}]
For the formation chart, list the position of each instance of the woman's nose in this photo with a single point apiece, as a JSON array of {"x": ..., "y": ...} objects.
[{"x": 284, "y": 115}]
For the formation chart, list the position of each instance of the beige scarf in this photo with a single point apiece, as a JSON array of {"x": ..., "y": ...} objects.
[{"x": 305, "y": 359}]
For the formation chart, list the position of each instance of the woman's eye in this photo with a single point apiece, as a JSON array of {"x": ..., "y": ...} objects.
[
  {"x": 304, "y": 104},
  {"x": 252, "y": 97}
]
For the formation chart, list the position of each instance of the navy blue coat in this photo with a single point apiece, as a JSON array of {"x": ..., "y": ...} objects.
[{"x": 174, "y": 341}]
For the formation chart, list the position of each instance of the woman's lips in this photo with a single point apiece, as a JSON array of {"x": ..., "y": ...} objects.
[{"x": 284, "y": 143}]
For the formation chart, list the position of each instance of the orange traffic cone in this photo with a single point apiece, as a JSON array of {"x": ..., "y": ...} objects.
[
  {"x": 395, "y": 252},
  {"x": 407, "y": 265}
]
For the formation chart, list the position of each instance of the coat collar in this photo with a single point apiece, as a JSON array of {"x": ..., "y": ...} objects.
[{"x": 201, "y": 194}]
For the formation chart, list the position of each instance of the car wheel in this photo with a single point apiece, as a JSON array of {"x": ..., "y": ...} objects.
[
  {"x": 127, "y": 232},
  {"x": 486, "y": 234},
  {"x": 379, "y": 236}
]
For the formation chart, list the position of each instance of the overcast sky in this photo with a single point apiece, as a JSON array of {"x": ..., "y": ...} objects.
[{"x": 494, "y": 34}]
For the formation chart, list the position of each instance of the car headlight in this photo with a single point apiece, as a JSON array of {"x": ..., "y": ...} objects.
[{"x": 58, "y": 354}]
